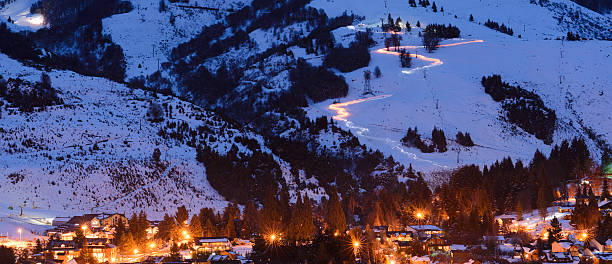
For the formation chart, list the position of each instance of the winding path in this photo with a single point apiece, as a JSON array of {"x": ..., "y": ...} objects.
[{"x": 342, "y": 112}]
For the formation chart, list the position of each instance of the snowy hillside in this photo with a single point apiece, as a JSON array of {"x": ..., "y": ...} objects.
[
  {"x": 147, "y": 35},
  {"x": 450, "y": 95},
  {"x": 94, "y": 152}
]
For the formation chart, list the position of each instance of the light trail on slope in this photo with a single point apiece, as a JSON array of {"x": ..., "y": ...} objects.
[
  {"x": 342, "y": 113},
  {"x": 434, "y": 61}
]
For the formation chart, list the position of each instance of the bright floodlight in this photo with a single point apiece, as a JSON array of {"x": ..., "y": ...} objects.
[
  {"x": 36, "y": 20},
  {"x": 419, "y": 215},
  {"x": 135, "y": 251},
  {"x": 356, "y": 244},
  {"x": 272, "y": 237},
  {"x": 19, "y": 230}
]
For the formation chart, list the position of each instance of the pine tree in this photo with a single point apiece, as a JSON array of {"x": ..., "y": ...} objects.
[
  {"x": 605, "y": 192},
  {"x": 434, "y": 7},
  {"x": 79, "y": 238},
  {"x": 285, "y": 208},
  {"x": 519, "y": 211},
  {"x": 270, "y": 217},
  {"x": 335, "y": 215},
  {"x": 554, "y": 232},
  {"x": 181, "y": 216},
  {"x": 162, "y": 6},
  {"x": 127, "y": 244},
  {"x": 471, "y": 18},
  {"x": 418, "y": 24},
  {"x": 175, "y": 254},
  {"x": 208, "y": 228},
  {"x": 195, "y": 226},
  {"x": 249, "y": 220},
  {"x": 166, "y": 227},
  {"x": 86, "y": 256}
]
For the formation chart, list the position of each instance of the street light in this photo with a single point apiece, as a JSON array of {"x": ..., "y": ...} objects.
[
  {"x": 152, "y": 245},
  {"x": 19, "y": 231},
  {"x": 356, "y": 245},
  {"x": 135, "y": 251},
  {"x": 272, "y": 237}
]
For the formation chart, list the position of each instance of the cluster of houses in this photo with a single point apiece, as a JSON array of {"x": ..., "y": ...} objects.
[{"x": 98, "y": 230}]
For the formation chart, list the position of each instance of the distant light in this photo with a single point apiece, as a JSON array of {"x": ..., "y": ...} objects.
[
  {"x": 36, "y": 20},
  {"x": 272, "y": 237},
  {"x": 84, "y": 227},
  {"x": 356, "y": 244},
  {"x": 19, "y": 230},
  {"x": 135, "y": 251}
]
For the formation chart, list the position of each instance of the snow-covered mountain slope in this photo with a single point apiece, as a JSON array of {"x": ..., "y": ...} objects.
[
  {"x": 147, "y": 35},
  {"x": 571, "y": 77},
  {"x": 551, "y": 19},
  {"x": 94, "y": 152}
]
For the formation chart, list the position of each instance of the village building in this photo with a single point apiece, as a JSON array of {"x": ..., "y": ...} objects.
[{"x": 209, "y": 245}]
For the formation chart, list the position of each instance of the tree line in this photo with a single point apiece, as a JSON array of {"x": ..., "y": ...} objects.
[{"x": 523, "y": 108}]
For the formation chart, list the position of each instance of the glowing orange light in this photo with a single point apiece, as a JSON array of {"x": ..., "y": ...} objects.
[
  {"x": 420, "y": 215},
  {"x": 152, "y": 245},
  {"x": 339, "y": 108},
  {"x": 342, "y": 113},
  {"x": 272, "y": 237},
  {"x": 135, "y": 251},
  {"x": 84, "y": 227},
  {"x": 356, "y": 244}
]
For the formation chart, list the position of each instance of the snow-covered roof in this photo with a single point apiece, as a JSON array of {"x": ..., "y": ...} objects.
[
  {"x": 458, "y": 247},
  {"x": 416, "y": 258},
  {"x": 425, "y": 227},
  {"x": 213, "y": 240}
]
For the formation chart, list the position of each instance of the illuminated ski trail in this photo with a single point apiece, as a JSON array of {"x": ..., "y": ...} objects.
[{"x": 342, "y": 113}]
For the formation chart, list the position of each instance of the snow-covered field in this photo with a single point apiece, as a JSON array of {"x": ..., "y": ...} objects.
[{"x": 573, "y": 78}]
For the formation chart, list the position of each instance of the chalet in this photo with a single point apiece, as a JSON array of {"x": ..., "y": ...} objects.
[
  {"x": 426, "y": 230},
  {"x": 380, "y": 231},
  {"x": 399, "y": 236},
  {"x": 62, "y": 250},
  {"x": 211, "y": 244},
  {"x": 420, "y": 260},
  {"x": 65, "y": 250},
  {"x": 60, "y": 220},
  {"x": 460, "y": 253},
  {"x": 435, "y": 245},
  {"x": 607, "y": 247},
  {"x": 602, "y": 258},
  {"x": 497, "y": 240},
  {"x": 102, "y": 249},
  {"x": 565, "y": 246},
  {"x": 530, "y": 254},
  {"x": 403, "y": 248},
  {"x": 97, "y": 225}
]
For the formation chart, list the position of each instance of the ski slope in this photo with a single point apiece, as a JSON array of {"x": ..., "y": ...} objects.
[{"x": 443, "y": 89}]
